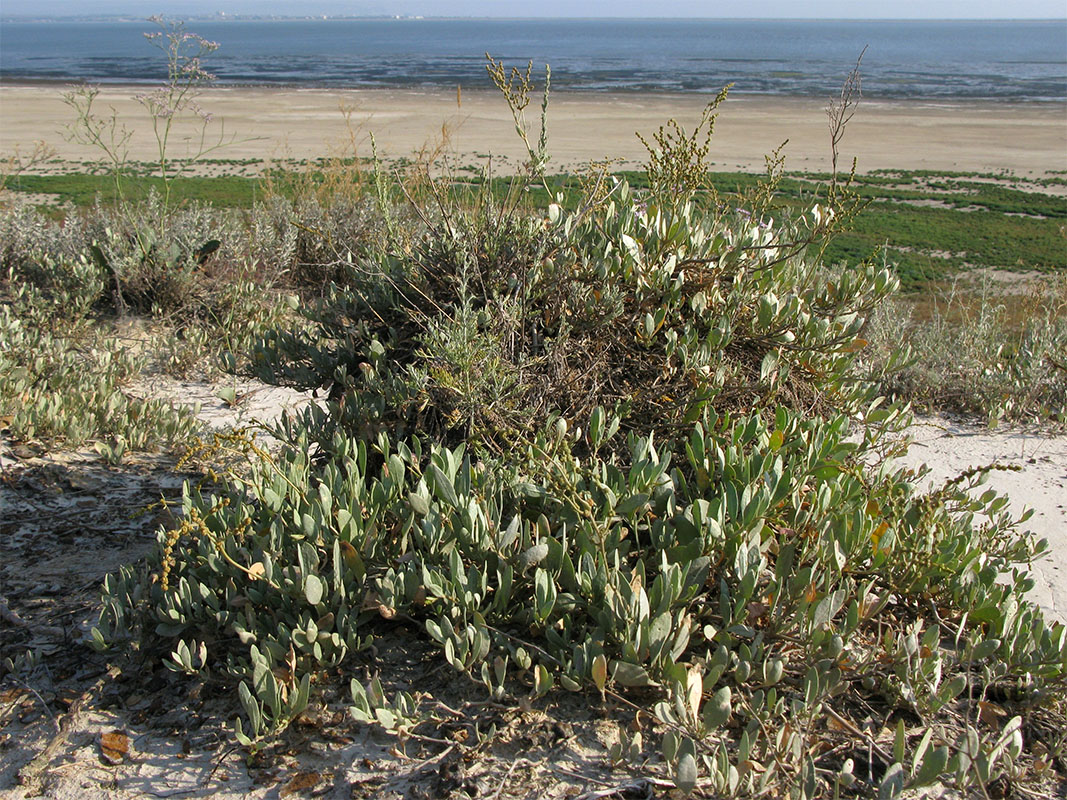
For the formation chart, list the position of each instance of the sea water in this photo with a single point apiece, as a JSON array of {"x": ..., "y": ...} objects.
[{"x": 981, "y": 60}]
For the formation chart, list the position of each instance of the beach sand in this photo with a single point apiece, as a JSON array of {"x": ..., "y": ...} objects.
[{"x": 1025, "y": 138}]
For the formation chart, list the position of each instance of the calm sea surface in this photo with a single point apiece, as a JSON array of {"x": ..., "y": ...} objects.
[{"x": 1019, "y": 60}]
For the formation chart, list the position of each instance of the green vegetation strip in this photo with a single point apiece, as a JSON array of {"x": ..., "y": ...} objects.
[{"x": 977, "y": 220}]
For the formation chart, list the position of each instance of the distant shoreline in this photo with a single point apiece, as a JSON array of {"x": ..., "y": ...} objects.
[
  {"x": 483, "y": 86},
  {"x": 218, "y": 17},
  {"x": 1029, "y": 138}
]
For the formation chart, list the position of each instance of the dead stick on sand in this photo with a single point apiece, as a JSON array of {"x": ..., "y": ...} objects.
[
  {"x": 9, "y": 616},
  {"x": 31, "y": 776},
  {"x": 507, "y": 777}
]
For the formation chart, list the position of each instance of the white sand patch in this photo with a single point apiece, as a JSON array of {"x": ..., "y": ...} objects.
[
  {"x": 230, "y": 403},
  {"x": 1040, "y": 483}
]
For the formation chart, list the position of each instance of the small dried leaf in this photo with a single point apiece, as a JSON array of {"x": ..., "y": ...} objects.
[
  {"x": 835, "y": 725},
  {"x": 348, "y": 553},
  {"x": 990, "y": 713},
  {"x": 300, "y": 782},
  {"x": 876, "y": 536},
  {"x": 694, "y": 692},
  {"x": 600, "y": 671},
  {"x": 114, "y": 747},
  {"x": 257, "y": 570},
  {"x": 636, "y": 583},
  {"x": 756, "y": 612}
]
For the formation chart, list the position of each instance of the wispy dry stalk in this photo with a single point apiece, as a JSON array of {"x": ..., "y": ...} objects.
[{"x": 839, "y": 113}]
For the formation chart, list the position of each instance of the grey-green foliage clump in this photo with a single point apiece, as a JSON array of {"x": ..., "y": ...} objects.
[
  {"x": 61, "y": 379},
  {"x": 968, "y": 357},
  {"x": 607, "y": 450},
  {"x": 210, "y": 275},
  {"x": 54, "y": 390},
  {"x": 651, "y": 308},
  {"x": 759, "y": 584}
]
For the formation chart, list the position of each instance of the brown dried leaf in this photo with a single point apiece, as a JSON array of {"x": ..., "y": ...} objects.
[
  {"x": 23, "y": 452},
  {"x": 877, "y": 533},
  {"x": 990, "y": 713},
  {"x": 349, "y": 553},
  {"x": 300, "y": 782},
  {"x": 114, "y": 747},
  {"x": 835, "y": 725},
  {"x": 636, "y": 582},
  {"x": 756, "y": 612}
]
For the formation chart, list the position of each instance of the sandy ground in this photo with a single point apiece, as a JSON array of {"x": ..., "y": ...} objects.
[
  {"x": 1037, "y": 480},
  {"x": 1027, "y": 139}
]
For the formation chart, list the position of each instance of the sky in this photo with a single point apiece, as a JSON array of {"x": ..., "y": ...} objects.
[{"x": 825, "y": 9}]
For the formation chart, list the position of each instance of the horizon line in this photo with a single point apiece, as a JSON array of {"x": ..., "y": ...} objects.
[{"x": 223, "y": 16}]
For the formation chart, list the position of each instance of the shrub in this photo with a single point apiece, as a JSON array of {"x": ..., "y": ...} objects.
[
  {"x": 980, "y": 352},
  {"x": 57, "y": 389},
  {"x": 717, "y": 541},
  {"x": 497, "y": 321},
  {"x": 763, "y": 577},
  {"x": 206, "y": 279}
]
